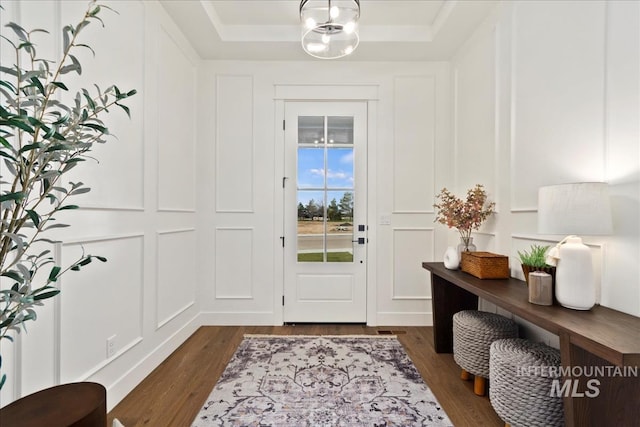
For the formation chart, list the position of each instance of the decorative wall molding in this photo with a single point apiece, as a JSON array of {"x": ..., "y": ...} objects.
[
  {"x": 414, "y": 138},
  {"x": 234, "y": 263},
  {"x": 176, "y": 169},
  {"x": 323, "y": 92},
  {"x": 414, "y": 264},
  {"x": 183, "y": 279},
  {"x": 234, "y": 144},
  {"x": 66, "y": 338}
]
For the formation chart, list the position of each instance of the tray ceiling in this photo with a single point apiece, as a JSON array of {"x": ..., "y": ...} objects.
[{"x": 396, "y": 30}]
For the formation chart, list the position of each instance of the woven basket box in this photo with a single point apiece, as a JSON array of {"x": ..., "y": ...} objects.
[{"x": 485, "y": 265}]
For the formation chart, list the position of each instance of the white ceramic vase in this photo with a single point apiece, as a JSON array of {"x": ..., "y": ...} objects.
[
  {"x": 451, "y": 258},
  {"x": 575, "y": 281}
]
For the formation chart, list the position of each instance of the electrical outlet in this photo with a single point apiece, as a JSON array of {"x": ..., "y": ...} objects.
[{"x": 111, "y": 346}]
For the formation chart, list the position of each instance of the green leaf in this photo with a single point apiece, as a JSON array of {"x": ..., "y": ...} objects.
[
  {"x": 49, "y": 227},
  {"x": 38, "y": 84},
  {"x": 125, "y": 108},
  {"x": 88, "y": 47},
  {"x": 68, "y": 207},
  {"x": 8, "y": 156},
  {"x": 17, "y": 123},
  {"x": 68, "y": 68},
  {"x": 10, "y": 71},
  {"x": 81, "y": 25},
  {"x": 34, "y": 217},
  {"x": 90, "y": 101},
  {"x": 58, "y": 147},
  {"x": 46, "y": 295},
  {"x": 95, "y": 11},
  {"x": 30, "y": 147},
  {"x": 60, "y": 189},
  {"x": 5, "y": 143},
  {"x": 34, "y": 122},
  {"x": 85, "y": 261},
  {"x": 63, "y": 119},
  {"x": 13, "y": 275},
  {"x": 20, "y": 32},
  {"x": 53, "y": 274},
  {"x": 9, "y": 86},
  {"x": 99, "y": 128},
  {"x": 17, "y": 196},
  {"x": 101, "y": 258},
  {"x": 80, "y": 191},
  {"x": 60, "y": 85},
  {"x": 65, "y": 38}
]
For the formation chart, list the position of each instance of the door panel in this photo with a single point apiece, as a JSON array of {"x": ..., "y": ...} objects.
[{"x": 325, "y": 266}]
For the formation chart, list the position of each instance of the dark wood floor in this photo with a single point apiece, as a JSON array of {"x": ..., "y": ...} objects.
[{"x": 171, "y": 396}]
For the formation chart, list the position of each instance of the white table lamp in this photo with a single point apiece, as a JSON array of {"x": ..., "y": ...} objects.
[{"x": 580, "y": 208}]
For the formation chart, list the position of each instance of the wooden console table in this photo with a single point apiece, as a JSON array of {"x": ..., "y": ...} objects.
[
  {"x": 81, "y": 404},
  {"x": 600, "y": 337}
]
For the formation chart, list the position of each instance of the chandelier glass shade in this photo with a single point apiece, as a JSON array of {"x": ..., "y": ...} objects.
[{"x": 329, "y": 28}]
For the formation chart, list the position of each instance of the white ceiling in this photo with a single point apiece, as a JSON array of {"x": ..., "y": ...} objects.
[{"x": 390, "y": 30}]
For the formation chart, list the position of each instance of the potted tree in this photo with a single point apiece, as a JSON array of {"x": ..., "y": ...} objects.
[
  {"x": 535, "y": 260},
  {"x": 43, "y": 136}
]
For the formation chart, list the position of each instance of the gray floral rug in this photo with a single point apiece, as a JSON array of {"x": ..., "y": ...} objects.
[{"x": 321, "y": 381}]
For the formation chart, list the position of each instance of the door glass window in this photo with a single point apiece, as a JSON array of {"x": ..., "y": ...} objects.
[{"x": 325, "y": 189}]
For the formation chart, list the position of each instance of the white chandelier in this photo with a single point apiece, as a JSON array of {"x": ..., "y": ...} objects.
[{"x": 329, "y": 28}]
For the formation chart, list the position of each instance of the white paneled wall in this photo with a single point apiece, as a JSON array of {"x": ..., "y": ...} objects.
[
  {"x": 557, "y": 99},
  {"x": 110, "y": 190},
  {"x": 176, "y": 85},
  {"x": 85, "y": 328},
  {"x": 139, "y": 214},
  {"x": 414, "y": 141},
  {"x": 176, "y": 284},
  {"x": 234, "y": 259},
  {"x": 234, "y": 144},
  {"x": 546, "y": 93},
  {"x": 411, "y": 247},
  {"x": 408, "y": 109}
]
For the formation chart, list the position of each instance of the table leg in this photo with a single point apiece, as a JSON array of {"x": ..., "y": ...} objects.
[{"x": 447, "y": 300}]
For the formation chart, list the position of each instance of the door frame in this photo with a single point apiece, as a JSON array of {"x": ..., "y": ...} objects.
[{"x": 320, "y": 93}]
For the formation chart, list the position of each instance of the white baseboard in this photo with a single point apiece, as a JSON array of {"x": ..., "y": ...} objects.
[
  {"x": 134, "y": 376},
  {"x": 404, "y": 319},
  {"x": 211, "y": 318}
]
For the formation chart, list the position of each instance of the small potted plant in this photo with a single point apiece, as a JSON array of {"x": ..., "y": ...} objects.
[{"x": 535, "y": 260}]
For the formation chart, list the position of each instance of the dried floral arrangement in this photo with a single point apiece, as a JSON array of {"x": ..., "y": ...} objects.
[{"x": 464, "y": 215}]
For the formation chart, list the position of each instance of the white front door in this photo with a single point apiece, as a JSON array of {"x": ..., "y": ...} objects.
[{"x": 325, "y": 251}]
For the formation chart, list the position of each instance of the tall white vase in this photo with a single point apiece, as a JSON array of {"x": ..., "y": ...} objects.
[{"x": 575, "y": 281}]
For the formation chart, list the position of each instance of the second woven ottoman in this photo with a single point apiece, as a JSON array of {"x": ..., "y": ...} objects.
[
  {"x": 473, "y": 333},
  {"x": 522, "y": 374}
]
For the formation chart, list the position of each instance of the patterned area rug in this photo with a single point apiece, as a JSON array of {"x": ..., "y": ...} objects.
[{"x": 321, "y": 381}]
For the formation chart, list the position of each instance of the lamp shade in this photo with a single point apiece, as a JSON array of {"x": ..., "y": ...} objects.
[
  {"x": 329, "y": 27},
  {"x": 580, "y": 208}
]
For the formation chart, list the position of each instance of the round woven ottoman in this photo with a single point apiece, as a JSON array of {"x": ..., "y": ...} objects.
[
  {"x": 521, "y": 374},
  {"x": 473, "y": 333}
]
